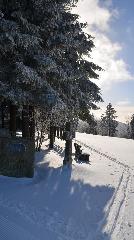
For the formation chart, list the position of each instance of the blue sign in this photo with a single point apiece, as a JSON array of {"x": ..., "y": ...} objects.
[{"x": 16, "y": 148}]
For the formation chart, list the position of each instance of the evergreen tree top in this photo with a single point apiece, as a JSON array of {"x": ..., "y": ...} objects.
[{"x": 42, "y": 49}]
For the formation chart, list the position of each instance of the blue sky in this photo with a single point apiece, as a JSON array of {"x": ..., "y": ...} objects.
[
  {"x": 122, "y": 30},
  {"x": 111, "y": 22}
]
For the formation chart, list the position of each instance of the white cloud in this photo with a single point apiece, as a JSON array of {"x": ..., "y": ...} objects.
[
  {"x": 124, "y": 113},
  {"x": 106, "y": 52},
  {"x": 106, "y": 55},
  {"x": 91, "y": 12},
  {"x": 123, "y": 103}
]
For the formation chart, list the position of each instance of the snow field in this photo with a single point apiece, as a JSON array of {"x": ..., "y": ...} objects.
[
  {"x": 120, "y": 215},
  {"x": 88, "y": 202}
]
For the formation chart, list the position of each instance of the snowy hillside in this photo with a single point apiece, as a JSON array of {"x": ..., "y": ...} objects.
[
  {"x": 88, "y": 202},
  {"x": 122, "y": 128}
]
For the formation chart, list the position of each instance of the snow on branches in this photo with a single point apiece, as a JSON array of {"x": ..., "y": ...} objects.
[{"x": 42, "y": 51}]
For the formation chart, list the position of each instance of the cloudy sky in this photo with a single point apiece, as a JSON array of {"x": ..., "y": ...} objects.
[{"x": 111, "y": 22}]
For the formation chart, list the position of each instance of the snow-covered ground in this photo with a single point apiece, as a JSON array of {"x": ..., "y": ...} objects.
[{"x": 88, "y": 202}]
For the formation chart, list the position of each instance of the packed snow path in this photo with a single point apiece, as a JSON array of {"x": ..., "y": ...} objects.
[{"x": 87, "y": 202}]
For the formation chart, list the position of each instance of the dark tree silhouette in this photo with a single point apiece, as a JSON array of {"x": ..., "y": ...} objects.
[
  {"x": 132, "y": 126},
  {"x": 108, "y": 123}
]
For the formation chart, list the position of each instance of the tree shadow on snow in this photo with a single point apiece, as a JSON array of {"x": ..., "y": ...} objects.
[{"x": 74, "y": 207}]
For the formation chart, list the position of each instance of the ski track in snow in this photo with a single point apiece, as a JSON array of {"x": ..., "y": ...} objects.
[
  {"x": 117, "y": 206},
  {"x": 116, "y": 209},
  {"x": 104, "y": 155}
]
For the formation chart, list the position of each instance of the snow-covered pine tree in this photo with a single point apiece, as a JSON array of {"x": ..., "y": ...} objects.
[
  {"x": 132, "y": 126},
  {"x": 22, "y": 53},
  {"x": 102, "y": 126},
  {"x": 128, "y": 130},
  {"x": 92, "y": 125},
  {"x": 42, "y": 49},
  {"x": 108, "y": 123}
]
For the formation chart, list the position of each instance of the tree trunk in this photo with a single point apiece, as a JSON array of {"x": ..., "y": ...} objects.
[
  {"x": 37, "y": 139},
  {"x": 25, "y": 122},
  {"x": 54, "y": 133},
  {"x": 2, "y": 115},
  {"x": 51, "y": 136},
  {"x": 68, "y": 146},
  {"x": 109, "y": 127},
  {"x": 61, "y": 133},
  {"x": 12, "y": 124},
  {"x": 57, "y": 132},
  {"x": 32, "y": 122}
]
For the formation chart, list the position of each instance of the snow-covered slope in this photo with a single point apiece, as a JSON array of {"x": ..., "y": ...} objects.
[
  {"x": 121, "y": 149},
  {"x": 88, "y": 202}
]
